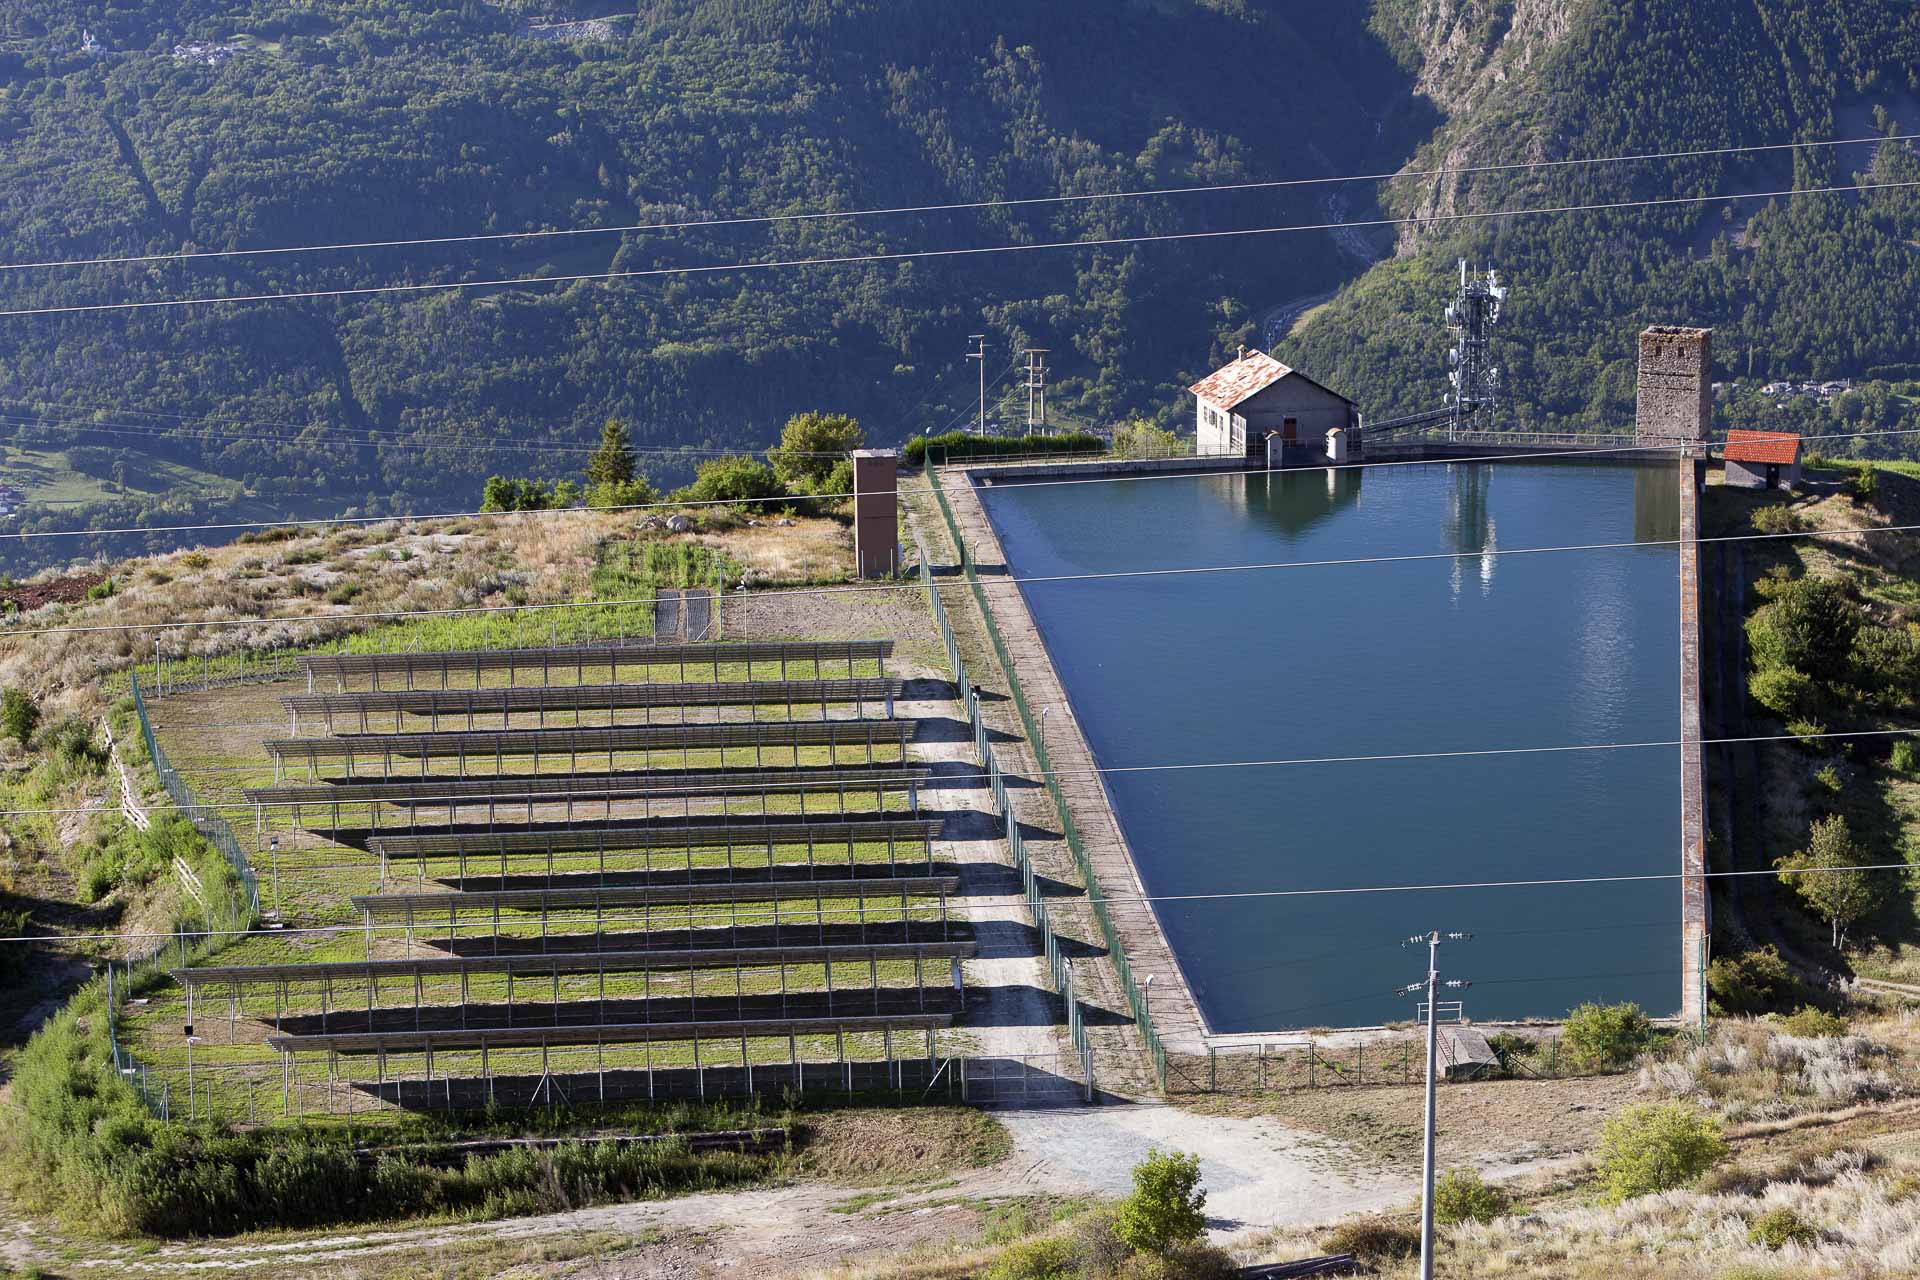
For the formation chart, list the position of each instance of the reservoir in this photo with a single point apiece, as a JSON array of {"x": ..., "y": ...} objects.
[{"x": 1466, "y": 652}]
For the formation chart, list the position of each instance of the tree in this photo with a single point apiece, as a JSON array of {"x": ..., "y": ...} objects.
[
  {"x": 1166, "y": 1207},
  {"x": 19, "y": 715},
  {"x": 1810, "y": 624},
  {"x": 1141, "y": 439},
  {"x": 733, "y": 478},
  {"x": 1657, "y": 1147},
  {"x": 612, "y": 462},
  {"x": 1824, "y": 876},
  {"x": 810, "y": 446}
]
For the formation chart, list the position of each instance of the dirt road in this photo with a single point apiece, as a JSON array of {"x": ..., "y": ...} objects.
[{"x": 1259, "y": 1173}]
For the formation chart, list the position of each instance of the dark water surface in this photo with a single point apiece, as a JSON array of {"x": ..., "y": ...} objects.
[{"x": 1441, "y": 655}]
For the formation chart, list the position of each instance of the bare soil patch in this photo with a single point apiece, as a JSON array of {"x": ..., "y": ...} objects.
[
  {"x": 1485, "y": 1121},
  {"x": 35, "y": 595}
]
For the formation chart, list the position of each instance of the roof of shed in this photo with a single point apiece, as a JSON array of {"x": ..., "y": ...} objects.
[
  {"x": 1761, "y": 446},
  {"x": 1246, "y": 377}
]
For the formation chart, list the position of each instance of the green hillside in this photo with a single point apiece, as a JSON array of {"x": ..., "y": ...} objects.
[
  {"x": 213, "y": 124},
  {"x": 1804, "y": 287}
]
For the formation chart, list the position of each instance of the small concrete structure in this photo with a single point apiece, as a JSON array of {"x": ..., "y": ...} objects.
[
  {"x": 876, "y": 513},
  {"x": 1674, "y": 399},
  {"x": 1239, "y": 405},
  {"x": 1762, "y": 459}
]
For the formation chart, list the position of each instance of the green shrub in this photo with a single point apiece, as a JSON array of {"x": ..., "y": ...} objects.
[
  {"x": 1607, "y": 1035},
  {"x": 1049, "y": 1258},
  {"x": 1747, "y": 1271},
  {"x": 1181, "y": 1262},
  {"x": 1785, "y": 691},
  {"x": 1167, "y": 1205},
  {"x": 733, "y": 478},
  {"x": 1827, "y": 779},
  {"x": 101, "y": 590},
  {"x": 1810, "y": 624},
  {"x": 1141, "y": 439},
  {"x": 1863, "y": 486},
  {"x": 960, "y": 446},
  {"x": 1777, "y": 518},
  {"x": 635, "y": 492},
  {"x": 1657, "y": 1147},
  {"x": 1813, "y": 1023},
  {"x": 343, "y": 592},
  {"x": 1778, "y": 1228},
  {"x": 19, "y": 715},
  {"x": 1751, "y": 982},
  {"x": 195, "y": 560},
  {"x": 1373, "y": 1241},
  {"x": 1905, "y": 756},
  {"x": 1460, "y": 1196}
]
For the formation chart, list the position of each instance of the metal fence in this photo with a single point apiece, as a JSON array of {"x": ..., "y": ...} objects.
[
  {"x": 1136, "y": 998},
  {"x": 583, "y": 625},
  {"x": 1290, "y": 1065},
  {"x": 1059, "y": 966},
  {"x": 206, "y": 820}
]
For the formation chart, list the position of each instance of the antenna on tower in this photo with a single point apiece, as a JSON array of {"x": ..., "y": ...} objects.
[{"x": 1473, "y": 378}]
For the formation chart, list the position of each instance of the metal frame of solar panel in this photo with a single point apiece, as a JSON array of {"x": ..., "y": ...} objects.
[{"x": 707, "y": 912}]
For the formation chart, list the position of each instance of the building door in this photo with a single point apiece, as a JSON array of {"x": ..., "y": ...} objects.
[
  {"x": 1773, "y": 475},
  {"x": 1290, "y": 430}
]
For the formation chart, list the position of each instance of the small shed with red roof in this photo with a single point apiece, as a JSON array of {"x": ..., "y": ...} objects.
[{"x": 1762, "y": 459}]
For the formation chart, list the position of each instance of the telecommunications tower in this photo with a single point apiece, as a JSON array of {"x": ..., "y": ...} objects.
[{"x": 1474, "y": 379}]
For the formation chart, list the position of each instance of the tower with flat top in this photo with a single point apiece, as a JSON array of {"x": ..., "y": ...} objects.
[
  {"x": 1674, "y": 399},
  {"x": 876, "y": 513}
]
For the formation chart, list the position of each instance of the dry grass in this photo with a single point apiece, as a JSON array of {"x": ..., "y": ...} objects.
[
  {"x": 311, "y": 587},
  {"x": 862, "y": 1147},
  {"x": 1749, "y": 1070}
]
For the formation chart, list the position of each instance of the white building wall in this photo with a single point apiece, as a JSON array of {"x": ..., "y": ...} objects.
[{"x": 1212, "y": 428}]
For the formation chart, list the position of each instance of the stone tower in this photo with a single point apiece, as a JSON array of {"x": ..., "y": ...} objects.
[{"x": 1675, "y": 395}]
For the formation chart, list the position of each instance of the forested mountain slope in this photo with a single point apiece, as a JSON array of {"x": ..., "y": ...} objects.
[
  {"x": 215, "y": 124},
  {"x": 1808, "y": 286}
]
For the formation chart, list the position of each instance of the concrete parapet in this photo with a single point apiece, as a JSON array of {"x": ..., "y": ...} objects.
[{"x": 1695, "y": 905}]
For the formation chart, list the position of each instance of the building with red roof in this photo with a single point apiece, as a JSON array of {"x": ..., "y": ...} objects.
[
  {"x": 1241, "y": 404},
  {"x": 1762, "y": 459}
]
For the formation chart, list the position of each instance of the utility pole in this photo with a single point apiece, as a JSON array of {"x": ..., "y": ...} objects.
[
  {"x": 1036, "y": 386},
  {"x": 980, "y": 353},
  {"x": 1431, "y": 987}
]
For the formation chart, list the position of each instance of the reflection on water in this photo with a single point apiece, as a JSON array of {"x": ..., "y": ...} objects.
[
  {"x": 1376, "y": 658},
  {"x": 1289, "y": 501},
  {"x": 1656, "y": 504},
  {"x": 1469, "y": 523}
]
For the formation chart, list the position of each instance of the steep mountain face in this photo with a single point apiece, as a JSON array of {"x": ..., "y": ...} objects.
[
  {"x": 1797, "y": 286},
  {"x": 148, "y": 127}
]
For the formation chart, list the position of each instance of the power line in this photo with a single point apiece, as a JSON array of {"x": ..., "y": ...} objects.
[
  {"x": 1000, "y": 582},
  {"x": 1531, "y": 456},
  {"x": 375, "y": 437},
  {"x": 721, "y": 792},
  {"x": 1135, "y": 901},
  {"x": 915, "y": 255},
  {"x": 953, "y": 207}
]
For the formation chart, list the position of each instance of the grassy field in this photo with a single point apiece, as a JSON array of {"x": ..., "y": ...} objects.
[{"x": 48, "y": 478}]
